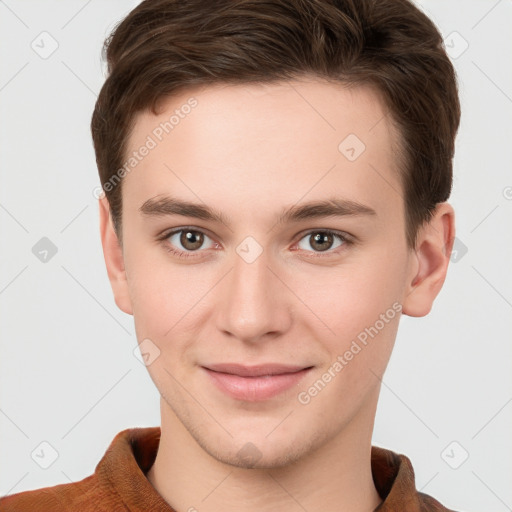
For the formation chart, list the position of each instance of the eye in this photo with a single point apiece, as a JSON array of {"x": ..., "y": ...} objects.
[
  {"x": 185, "y": 241},
  {"x": 188, "y": 242},
  {"x": 323, "y": 240}
]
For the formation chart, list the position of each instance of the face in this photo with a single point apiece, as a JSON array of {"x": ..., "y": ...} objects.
[{"x": 271, "y": 279}]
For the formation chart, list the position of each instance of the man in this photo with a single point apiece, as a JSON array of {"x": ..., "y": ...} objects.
[{"x": 275, "y": 177}]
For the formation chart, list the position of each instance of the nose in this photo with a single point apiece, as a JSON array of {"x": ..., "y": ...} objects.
[{"x": 253, "y": 301}]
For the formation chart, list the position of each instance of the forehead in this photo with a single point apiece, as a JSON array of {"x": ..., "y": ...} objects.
[{"x": 278, "y": 141}]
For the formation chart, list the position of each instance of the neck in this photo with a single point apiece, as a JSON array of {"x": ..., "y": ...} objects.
[{"x": 337, "y": 476}]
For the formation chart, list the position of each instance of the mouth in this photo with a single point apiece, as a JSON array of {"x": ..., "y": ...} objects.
[{"x": 255, "y": 383}]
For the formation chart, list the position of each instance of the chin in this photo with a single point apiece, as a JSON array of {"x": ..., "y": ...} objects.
[
  {"x": 251, "y": 456},
  {"x": 257, "y": 451}
]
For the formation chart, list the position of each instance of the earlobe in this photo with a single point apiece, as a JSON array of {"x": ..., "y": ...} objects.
[
  {"x": 432, "y": 256},
  {"x": 114, "y": 260}
]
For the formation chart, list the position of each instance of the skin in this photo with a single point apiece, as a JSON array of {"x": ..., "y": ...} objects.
[{"x": 250, "y": 151}]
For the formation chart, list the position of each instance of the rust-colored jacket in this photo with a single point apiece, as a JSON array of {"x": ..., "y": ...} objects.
[{"x": 119, "y": 483}]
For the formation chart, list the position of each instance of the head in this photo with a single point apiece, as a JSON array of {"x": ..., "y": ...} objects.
[{"x": 250, "y": 110}]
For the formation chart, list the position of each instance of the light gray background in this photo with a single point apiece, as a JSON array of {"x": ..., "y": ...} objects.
[{"x": 68, "y": 375}]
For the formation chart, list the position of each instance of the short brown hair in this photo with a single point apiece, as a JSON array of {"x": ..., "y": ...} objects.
[{"x": 166, "y": 46}]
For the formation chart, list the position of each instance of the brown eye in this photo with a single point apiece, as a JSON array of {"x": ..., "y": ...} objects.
[
  {"x": 187, "y": 242},
  {"x": 322, "y": 241},
  {"x": 191, "y": 240}
]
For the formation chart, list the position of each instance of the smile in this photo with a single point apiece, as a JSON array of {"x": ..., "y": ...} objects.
[{"x": 255, "y": 383}]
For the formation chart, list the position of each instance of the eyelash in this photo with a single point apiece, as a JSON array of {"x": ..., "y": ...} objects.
[{"x": 343, "y": 237}]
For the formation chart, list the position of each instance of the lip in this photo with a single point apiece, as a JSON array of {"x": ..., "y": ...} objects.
[{"x": 255, "y": 383}]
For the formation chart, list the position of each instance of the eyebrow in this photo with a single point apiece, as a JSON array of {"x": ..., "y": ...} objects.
[{"x": 332, "y": 207}]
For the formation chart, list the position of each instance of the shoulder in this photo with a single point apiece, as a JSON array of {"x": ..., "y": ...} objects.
[
  {"x": 394, "y": 480},
  {"x": 82, "y": 496},
  {"x": 429, "y": 504},
  {"x": 117, "y": 483}
]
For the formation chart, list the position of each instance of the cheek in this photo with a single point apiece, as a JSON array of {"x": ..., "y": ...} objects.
[
  {"x": 348, "y": 298},
  {"x": 337, "y": 301},
  {"x": 357, "y": 355},
  {"x": 157, "y": 293},
  {"x": 165, "y": 310},
  {"x": 360, "y": 305},
  {"x": 171, "y": 305}
]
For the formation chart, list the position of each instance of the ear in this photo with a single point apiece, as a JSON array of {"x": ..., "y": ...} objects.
[
  {"x": 431, "y": 258},
  {"x": 113, "y": 254}
]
